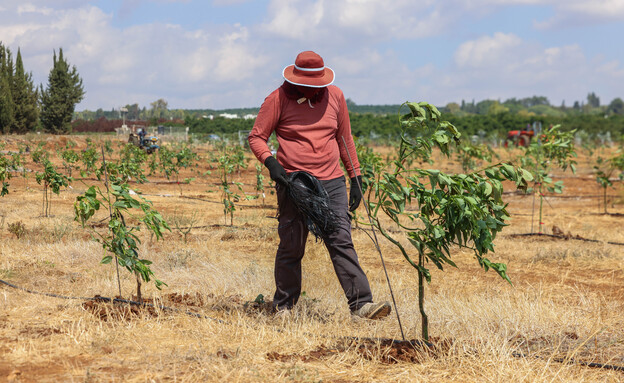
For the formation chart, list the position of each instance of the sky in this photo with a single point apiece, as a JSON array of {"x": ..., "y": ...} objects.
[{"x": 219, "y": 54}]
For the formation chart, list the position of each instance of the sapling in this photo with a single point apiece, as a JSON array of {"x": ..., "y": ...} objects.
[
  {"x": 185, "y": 157},
  {"x": 40, "y": 155},
  {"x": 69, "y": 158},
  {"x": 227, "y": 165},
  {"x": 605, "y": 169},
  {"x": 240, "y": 161},
  {"x": 129, "y": 167},
  {"x": 171, "y": 161},
  {"x": 553, "y": 148},
  {"x": 5, "y": 175},
  {"x": 18, "y": 162},
  {"x": 89, "y": 158},
  {"x": 52, "y": 181},
  {"x": 260, "y": 182},
  {"x": 371, "y": 165},
  {"x": 166, "y": 162},
  {"x": 121, "y": 239},
  {"x": 184, "y": 224},
  {"x": 371, "y": 168},
  {"x": 108, "y": 147},
  {"x": 471, "y": 155},
  {"x": 453, "y": 210}
]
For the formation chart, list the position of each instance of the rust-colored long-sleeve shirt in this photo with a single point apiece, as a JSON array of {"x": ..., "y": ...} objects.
[{"x": 310, "y": 138}]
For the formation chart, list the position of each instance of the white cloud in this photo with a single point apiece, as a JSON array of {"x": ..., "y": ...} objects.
[
  {"x": 229, "y": 2},
  {"x": 600, "y": 8},
  {"x": 581, "y": 12},
  {"x": 487, "y": 50},
  {"x": 56, "y": 4},
  {"x": 505, "y": 66},
  {"x": 159, "y": 60},
  {"x": 337, "y": 21},
  {"x": 30, "y": 8},
  {"x": 296, "y": 19},
  {"x": 368, "y": 76}
]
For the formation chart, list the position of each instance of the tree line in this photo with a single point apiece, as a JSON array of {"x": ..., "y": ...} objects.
[
  {"x": 25, "y": 107},
  {"x": 378, "y": 122},
  {"x": 383, "y": 127}
]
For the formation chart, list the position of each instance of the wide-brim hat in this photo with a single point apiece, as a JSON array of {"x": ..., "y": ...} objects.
[{"x": 309, "y": 70}]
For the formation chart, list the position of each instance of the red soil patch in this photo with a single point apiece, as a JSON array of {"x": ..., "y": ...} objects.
[{"x": 386, "y": 351}]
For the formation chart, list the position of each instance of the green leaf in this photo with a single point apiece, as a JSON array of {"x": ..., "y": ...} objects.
[
  {"x": 526, "y": 175},
  {"x": 487, "y": 188},
  {"x": 106, "y": 260}
]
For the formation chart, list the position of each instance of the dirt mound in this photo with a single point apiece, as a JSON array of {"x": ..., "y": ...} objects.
[
  {"x": 386, "y": 351},
  {"x": 186, "y": 299},
  {"x": 105, "y": 309}
]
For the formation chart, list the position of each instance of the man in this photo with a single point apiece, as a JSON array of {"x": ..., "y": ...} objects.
[{"x": 310, "y": 119}]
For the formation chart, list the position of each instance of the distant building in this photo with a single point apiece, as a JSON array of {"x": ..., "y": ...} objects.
[
  {"x": 228, "y": 115},
  {"x": 249, "y": 116}
]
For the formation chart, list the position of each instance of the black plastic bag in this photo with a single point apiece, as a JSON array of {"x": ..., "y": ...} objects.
[{"x": 312, "y": 201}]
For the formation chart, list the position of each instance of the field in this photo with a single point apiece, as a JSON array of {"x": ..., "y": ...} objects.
[{"x": 563, "y": 311}]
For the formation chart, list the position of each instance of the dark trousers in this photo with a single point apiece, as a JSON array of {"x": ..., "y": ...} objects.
[{"x": 293, "y": 234}]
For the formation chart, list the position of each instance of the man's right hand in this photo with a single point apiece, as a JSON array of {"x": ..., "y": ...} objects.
[{"x": 277, "y": 172}]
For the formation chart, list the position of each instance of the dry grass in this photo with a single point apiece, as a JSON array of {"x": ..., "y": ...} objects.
[{"x": 566, "y": 301}]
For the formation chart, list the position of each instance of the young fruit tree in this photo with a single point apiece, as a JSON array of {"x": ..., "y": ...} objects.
[
  {"x": 228, "y": 162},
  {"x": 553, "y": 148},
  {"x": 121, "y": 239},
  {"x": 372, "y": 167},
  {"x": 260, "y": 182},
  {"x": 88, "y": 156},
  {"x": 471, "y": 155},
  {"x": 5, "y": 175},
  {"x": 52, "y": 180},
  {"x": 453, "y": 211},
  {"x": 69, "y": 158},
  {"x": 605, "y": 169}
]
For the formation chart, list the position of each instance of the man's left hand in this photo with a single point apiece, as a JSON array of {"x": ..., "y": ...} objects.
[{"x": 355, "y": 194}]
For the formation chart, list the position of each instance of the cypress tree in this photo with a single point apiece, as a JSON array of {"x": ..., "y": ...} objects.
[
  {"x": 26, "y": 110},
  {"x": 59, "y": 99},
  {"x": 7, "y": 107}
]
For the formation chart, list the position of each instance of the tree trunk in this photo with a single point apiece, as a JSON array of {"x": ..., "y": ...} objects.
[
  {"x": 540, "y": 223},
  {"x": 421, "y": 299},
  {"x": 138, "y": 280}
]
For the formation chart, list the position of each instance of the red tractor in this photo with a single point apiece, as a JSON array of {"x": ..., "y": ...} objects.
[{"x": 523, "y": 137}]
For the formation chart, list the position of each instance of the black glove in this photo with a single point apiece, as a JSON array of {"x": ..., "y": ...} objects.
[
  {"x": 355, "y": 194},
  {"x": 277, "y": 172}
]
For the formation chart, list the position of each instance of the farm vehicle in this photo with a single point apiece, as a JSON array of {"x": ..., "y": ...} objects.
[
  {"x": 523, "y": 137},
  {"x": 149, "y": 144}
]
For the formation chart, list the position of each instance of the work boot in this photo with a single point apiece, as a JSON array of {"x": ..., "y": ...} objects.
[{"x": 372, "y": 311}]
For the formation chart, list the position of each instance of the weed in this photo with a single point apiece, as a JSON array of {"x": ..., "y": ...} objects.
[
  {"x": 555, "y": 255},
  {"x": 60, "y": 230},
  {"x": 53, "y": 232},
  {"x": 179, "y": 259},
  {"x": 6, "y": 273},
  {"x": 18, "y": 229}
]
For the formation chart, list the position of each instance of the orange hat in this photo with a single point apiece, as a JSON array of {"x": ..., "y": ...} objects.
[{"x": 309, "y": 70}]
